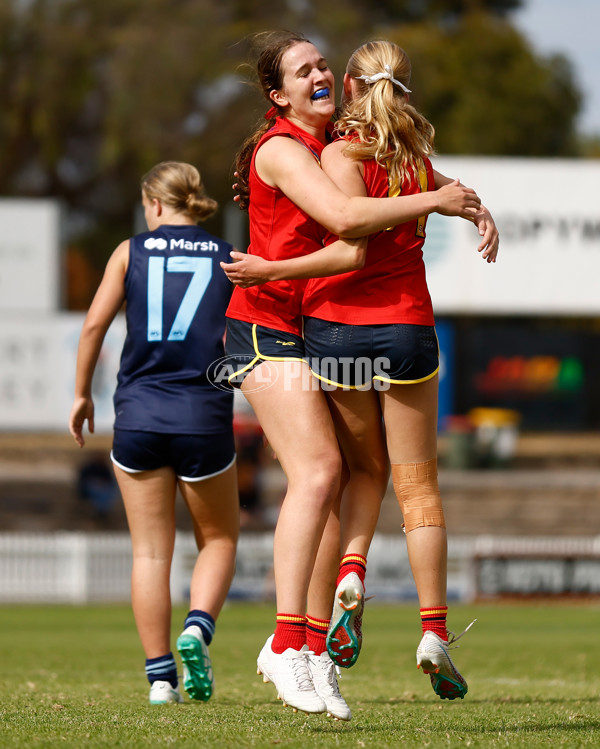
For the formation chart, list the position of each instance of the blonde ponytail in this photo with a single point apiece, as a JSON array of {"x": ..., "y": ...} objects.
[{"x": 179, "y": 186}]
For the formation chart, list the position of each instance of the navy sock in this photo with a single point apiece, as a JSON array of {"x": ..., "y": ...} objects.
[
  {"x": 204, "y": 621},
  {"x": 162, "y": 669}
]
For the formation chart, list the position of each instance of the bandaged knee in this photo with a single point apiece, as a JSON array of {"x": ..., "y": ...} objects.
[{"x": 418, "y": 494}]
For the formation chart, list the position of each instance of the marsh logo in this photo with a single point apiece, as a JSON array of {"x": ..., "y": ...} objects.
[{"x": 155, "y": 243}]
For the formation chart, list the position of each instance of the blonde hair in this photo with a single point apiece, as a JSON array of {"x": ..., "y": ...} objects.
[
  {"x": 179, "y": 186},
  {"x": 384, "y": 125}
]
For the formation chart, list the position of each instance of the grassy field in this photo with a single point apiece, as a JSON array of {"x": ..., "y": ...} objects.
[{"x": 73, "y": 677}]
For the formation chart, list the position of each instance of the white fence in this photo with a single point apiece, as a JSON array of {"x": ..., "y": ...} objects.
[
  {"x": 94, "y": 567},
  {"x": 85, "y": 568}
]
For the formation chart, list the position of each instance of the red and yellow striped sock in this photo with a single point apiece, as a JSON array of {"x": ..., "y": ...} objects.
[
  {"x": 352, "y": 563},
  {"x": 290, "y": 632},
  {"x": 434, "y": 620},
  {"x": 316, "y": 634}
]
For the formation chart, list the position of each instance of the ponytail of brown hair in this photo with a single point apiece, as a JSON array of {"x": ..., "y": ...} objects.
[{"x": 269, "y": 48}]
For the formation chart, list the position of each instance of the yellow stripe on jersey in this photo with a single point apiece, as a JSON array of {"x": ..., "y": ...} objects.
[
  {"x": 395, "y": 189},
  {"x": 423, "y": 185}
]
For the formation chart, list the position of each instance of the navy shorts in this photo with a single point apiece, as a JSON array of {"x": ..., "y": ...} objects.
[
  {"x": 193, "y": 457},
  {"x": 247, "y": 345},
  {"x": 358, "y": 356}
]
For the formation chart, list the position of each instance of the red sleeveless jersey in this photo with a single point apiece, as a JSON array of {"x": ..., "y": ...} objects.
[
  {"x": 278, "y": 230},
  {"x": 391, "y": 287}
]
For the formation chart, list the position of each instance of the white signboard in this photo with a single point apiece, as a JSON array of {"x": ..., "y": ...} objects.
[
  {"x": 37, "y": 371},
  {"x": 548, "y": 214},
  {"x": 30, "y": 267}
]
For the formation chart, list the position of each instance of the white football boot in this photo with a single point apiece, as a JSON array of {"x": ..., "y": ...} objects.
[
  {"x": 162, "y": 693},
  {"x": 289, "y": 672},
  {"x": 433, "y": 657},
  {"x": 324, "y": 675},
  {"x": 344, "y": 636}
]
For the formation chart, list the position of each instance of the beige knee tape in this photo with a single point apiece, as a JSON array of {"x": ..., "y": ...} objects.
[{"x": 416, "y": 487}]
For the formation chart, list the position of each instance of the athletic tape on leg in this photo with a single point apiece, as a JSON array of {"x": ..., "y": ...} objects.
[{"x": 418, "y": 493}]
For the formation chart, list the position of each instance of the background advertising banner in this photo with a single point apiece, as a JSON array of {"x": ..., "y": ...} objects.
[
  {"x": 30, "y": 268},
  {"x": 548, "y": 214},
  {"x": 37, "y": 371}
]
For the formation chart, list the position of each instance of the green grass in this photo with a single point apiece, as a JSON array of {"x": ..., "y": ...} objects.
[{"x": 73, "y": 677}]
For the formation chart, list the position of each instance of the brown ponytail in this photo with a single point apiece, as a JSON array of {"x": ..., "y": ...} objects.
[{"x": 269, "y": 48}]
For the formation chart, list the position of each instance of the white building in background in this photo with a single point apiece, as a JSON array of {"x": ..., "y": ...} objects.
[
  {"x": 548, "y": 213},
  {"x": 30, "y": 256}
]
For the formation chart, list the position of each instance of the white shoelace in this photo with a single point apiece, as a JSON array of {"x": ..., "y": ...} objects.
[
  {"x": 301, "y": 671},
  {"x": 329, "y": 672},
  {"x": 454, "y": 638}
]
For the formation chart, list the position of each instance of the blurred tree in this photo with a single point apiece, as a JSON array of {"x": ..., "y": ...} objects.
[
  {"x": 82, "y": 279},
  {"x": 590, "y": 146},
  {"x": 95, "y": 92},
  {"x": 486, "y": 92},
  {"x": 433, "y": 11}
]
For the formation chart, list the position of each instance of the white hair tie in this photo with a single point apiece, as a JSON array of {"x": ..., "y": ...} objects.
[{"x": 387, "y": 74}]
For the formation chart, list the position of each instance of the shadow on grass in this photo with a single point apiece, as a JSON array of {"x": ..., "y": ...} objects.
[
  {"x": 423, "y": 702},
  {"x": 530, "y": 729}
]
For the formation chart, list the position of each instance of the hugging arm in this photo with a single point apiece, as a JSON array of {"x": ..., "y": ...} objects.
[
  {"x": 287, "y": 165},
  {"x": 340, "y": 256},
  {"x": 335, "y": 196},
  {"x": 482, "y": 219}
]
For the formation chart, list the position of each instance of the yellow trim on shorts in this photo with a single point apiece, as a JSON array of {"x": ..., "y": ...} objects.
[
  {"x": 261, "y": 357},
  {"x": 337, "y": 384},
  {"x": 243, "y": 369},
  {"x": 377, "y": 377},
  {"x": 409, "y": 382}
]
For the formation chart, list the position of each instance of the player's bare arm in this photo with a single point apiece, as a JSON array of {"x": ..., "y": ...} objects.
[
  {"x": 105, "y": 305},
  {"x": 294, "y": 170},
  {"x": 340, "y": 256}
]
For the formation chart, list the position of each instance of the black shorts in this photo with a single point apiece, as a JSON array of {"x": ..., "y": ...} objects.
[
  {"x": 247, "y": 345},
  {"x": 193, "y": 457},
  {"x": 358, "y": 356}
]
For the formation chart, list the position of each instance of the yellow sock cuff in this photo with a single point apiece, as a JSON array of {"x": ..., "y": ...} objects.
[
  {"x": 291, "y": 618},
  {"x": 317, "y": 623}
]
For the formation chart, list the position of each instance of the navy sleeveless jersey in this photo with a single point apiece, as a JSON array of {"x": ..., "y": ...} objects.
[{"x": 176, "y": 296}]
